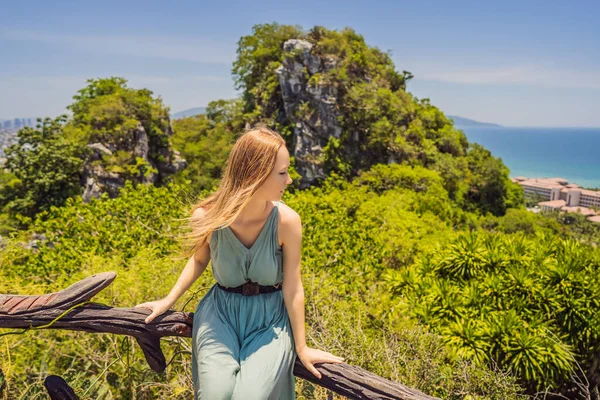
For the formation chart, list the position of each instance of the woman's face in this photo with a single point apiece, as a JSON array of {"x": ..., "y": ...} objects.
[{"x": 279, "y": 179}]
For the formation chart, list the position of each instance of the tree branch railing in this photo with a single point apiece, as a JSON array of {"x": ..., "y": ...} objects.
[{"x": 72, "y": 309}]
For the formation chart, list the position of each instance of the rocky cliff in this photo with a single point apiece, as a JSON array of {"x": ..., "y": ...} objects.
[
  {"x": 312, "y": 106},
  {"x": 154, "y": 162}
]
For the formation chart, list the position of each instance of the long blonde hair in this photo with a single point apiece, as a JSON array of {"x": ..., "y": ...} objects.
[{"x": 248, "y": 165}]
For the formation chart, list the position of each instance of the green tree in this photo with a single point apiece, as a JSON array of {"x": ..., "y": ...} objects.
[
  {"x": 488, "y": 182},
  {"x": 205, "y": 146},
  {"x": 259, "y": 55},
  {"x": 109, "y": 112},
  {"x": 46, "y": 169},
  {"x": 532, "y": 200}
]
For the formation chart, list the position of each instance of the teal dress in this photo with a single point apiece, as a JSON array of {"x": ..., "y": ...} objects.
[{"x": 242, "y": 346}]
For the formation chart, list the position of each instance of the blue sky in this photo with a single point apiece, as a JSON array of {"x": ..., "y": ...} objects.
[{"x": 517, "y": 63}]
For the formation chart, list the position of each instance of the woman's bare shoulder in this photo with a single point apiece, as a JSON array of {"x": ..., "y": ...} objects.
[
  {"x": 202, "y": 211},
  {"x": 199, "y": 213},
  {"x": 288, "y": 216},
  {"x": 289, "y": 225}
]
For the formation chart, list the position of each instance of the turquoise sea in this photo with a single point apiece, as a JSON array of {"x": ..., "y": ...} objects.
[{"x": 569, "y": 153}]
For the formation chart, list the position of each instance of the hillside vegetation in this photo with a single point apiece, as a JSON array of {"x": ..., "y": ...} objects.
[{"x": 419, "y": 262}]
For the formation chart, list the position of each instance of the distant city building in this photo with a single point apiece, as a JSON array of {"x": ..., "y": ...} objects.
[
  {"x": 560, "y": 195},
  {"x": 9, "y": 129},
  {"x": 16, "y": 123}
]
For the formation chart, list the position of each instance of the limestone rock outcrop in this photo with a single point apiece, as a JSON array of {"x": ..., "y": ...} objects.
[
  {"x": 96, "y": 179},
  {"x": 313, "y": 128}
]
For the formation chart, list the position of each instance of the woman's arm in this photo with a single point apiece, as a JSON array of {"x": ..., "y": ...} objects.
[
  {"x": 293, "y": 292},
  {"x": 192, "y": 271},
  {"x": 194, "y": 267}
]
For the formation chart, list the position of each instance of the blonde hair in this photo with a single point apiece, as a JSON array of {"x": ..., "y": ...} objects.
[{"x": 248, "y": 166}]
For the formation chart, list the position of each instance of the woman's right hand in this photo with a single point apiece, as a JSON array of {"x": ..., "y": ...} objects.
[{"x": 157, "y": 307}]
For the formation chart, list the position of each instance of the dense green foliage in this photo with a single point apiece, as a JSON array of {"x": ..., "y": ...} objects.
[
  {"x": 580, "y": 228},
  {"x": 136, "y": 236},
  {"x": 102, "y": 228},
  {"x": 107, "y": 111},
  {"x": 531, "y": 305},
  {"x": 43, "y": 170},
  {"x": 205, "y": 145}
]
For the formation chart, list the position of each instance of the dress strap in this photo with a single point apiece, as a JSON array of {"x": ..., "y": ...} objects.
[{"x": 275, "y": 239}]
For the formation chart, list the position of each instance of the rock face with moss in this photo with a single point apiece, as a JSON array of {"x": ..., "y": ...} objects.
[
  {"x": 97, "y": 178},
  {"x": 128, "y": 132},
  {"x": 310, "y": 104}
]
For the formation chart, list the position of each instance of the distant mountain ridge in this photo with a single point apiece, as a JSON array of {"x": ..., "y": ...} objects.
[
  {"x": 188, "y": 113},
  {"x": 460, "y": 121}
]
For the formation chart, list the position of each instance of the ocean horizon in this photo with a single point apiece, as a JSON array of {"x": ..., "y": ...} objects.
[{"x": 544, "y": 152}]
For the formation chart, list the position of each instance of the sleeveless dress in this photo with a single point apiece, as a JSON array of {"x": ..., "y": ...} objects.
[{"x": 242, "y": 346}]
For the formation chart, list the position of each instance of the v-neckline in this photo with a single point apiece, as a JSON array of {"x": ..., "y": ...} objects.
[{"x": 262, "y": 230}]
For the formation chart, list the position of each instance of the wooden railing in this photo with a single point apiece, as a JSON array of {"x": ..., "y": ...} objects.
[{"x": 72, "y": 309}]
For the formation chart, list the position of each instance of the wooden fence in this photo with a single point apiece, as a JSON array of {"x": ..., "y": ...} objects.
[{"x": 72, "y": 309}]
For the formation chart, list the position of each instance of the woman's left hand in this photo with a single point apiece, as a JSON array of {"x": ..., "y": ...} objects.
[{"x": 309, "y": 356}]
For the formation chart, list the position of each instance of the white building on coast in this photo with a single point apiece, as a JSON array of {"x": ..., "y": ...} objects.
[{"x": 560, "y": 195}]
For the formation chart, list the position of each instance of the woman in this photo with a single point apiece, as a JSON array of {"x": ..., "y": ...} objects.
[{"x": 249, "y": 327}]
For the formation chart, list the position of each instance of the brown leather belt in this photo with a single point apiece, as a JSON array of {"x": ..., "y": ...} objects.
[{"x": 251, "y": 288}]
